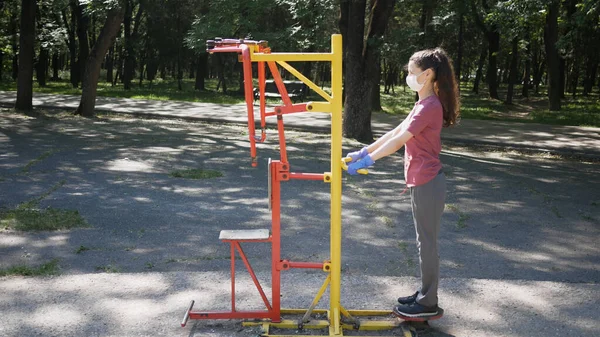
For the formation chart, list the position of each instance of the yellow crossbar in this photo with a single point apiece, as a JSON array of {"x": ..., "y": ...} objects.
[
  {"x": 290, "y": 57},
  {"x": 305, "y": 79}
]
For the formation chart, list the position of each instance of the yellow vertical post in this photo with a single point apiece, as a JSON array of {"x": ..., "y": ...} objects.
[{"x": 336, "y": 183}]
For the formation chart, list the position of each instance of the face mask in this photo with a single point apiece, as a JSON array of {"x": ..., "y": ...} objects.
[{"x": 412, "y": 82}]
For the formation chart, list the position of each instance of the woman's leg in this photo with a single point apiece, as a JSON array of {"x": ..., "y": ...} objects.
[{"x": 428, "y": 202}]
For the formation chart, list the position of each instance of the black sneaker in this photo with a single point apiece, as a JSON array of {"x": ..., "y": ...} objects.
[
  {"x": 408, "y": 299},
  {"x": 416, "y": 310}
]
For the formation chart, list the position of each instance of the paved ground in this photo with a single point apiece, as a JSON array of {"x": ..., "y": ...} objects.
[{"x": 519, "y": 237}]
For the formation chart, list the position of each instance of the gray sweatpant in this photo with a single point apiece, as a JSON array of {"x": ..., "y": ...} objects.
[{"x": 428, "y": 202}]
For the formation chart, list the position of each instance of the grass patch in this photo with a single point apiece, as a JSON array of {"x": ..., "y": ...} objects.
[
  {"x": 46, "y": 269},
  {"x": 43, "y": 156},
  {"x": 27, "y": 216},
  {"x": 33, "y": 203},
  {"x": 196, "y": 174},
  {"x": 48, "y": 219},
  {"x": 554, "y": 210},
  {"x": 387, "y": 221},
  {"x": 81, "y": 249},
  {"x": 109, "y": 268},
  {"x": 161, "y": 90},
  {"x": 581, "y": 111},
  {"x": 462, "y": 217}
]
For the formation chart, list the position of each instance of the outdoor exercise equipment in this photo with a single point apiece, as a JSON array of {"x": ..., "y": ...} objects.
[{"x": 338, "y": 317}]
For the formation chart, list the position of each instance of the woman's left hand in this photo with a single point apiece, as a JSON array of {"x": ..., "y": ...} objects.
[{"x": 361, "y": 164}]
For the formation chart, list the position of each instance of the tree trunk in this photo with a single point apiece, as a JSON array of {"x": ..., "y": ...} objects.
[
  {"x": 192, "y": 69},
  {"x": 427, "y": 9},
  {"x": 221, "y": 72},
  {"x": 1, "y": 64},
  {"x": 492, "y": 72},
  {"x": 552, "y": 56},
  {"x": 592, "y": 58},
  {"x": 201, "y": 71},
  {"x": 82, "y": 21},
  {"x": 82, "y": 37},
  {"x": 72, "y": 44},
  {"x": 141, "y": 79},
  {"x": 512, "y": 76},
  {"x": 118, "y": 62},
  {"x": 179, "y": 72},
  {"x": 562, "y": 69},
  {"x": 479, "y": 72},
  {"x": 15, "y": 46},
  {"x": 590, "y": 73},
  {"x": 376, "y": 97},
  {"x": 505, "y": 72},
  {"x": 240, "y": 71},
  {"x": 527, "y": 74},
  {"x": 110, "y": 64},
  {"x": 41, "y": 67},
  {"x": 129, "y": 57},
  {"x": 493, "y": 38},
  {"x": 55, "y": 66},
  {"x": 361, "y": 63},
  {"x": 26, "y": 54},
  {"x": 458, "y": 61},
  {"x": 357, "y": 103},
  {"x": 89, "y": 85}
]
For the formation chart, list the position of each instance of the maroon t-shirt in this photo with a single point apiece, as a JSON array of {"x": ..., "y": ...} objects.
[{"x": 422, "y": 152}]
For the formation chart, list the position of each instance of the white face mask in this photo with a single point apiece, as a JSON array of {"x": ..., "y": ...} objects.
[{"x": 412, "y": 82}]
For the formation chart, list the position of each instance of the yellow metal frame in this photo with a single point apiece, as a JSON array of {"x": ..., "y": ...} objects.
[{"x": 338, "y": 317}]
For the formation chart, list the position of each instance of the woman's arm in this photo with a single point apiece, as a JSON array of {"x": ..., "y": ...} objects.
[
  {"x": 382, "y": 140},
  {"x": 394, "y": 143}
]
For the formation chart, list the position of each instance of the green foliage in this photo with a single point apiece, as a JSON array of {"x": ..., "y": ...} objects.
[{"x": 241, "y": 19}]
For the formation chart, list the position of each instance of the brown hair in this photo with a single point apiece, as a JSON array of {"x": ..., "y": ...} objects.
[{"x": 445, "y": 85}]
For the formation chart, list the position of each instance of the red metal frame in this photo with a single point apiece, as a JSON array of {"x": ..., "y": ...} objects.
[{"x": 280, "y": 172}]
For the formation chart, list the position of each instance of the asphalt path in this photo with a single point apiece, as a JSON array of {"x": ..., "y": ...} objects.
[{"x": 519, "y": 252}]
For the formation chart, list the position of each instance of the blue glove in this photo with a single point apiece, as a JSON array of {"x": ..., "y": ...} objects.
[
  {"x": 363, "y": 163},
  {"x": 357, "y": 155}
]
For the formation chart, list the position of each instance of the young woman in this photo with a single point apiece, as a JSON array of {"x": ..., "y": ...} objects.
[{"x": 432, "y": 76}]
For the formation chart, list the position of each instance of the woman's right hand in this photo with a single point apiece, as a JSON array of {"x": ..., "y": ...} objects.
[{"x": 357, "y": 155}]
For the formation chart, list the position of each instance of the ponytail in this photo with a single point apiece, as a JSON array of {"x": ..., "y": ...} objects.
[{"x": 445, "y": 85}]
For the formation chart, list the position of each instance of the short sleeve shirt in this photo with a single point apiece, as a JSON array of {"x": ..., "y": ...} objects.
[{"x": 422, "y": 152}]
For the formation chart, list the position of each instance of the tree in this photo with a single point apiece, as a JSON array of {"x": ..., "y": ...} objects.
[
  {"x": 492, "y": 33},
  {"x": 89, "y": 85},
  {"x": 552, "y": 55},
  {"x": 362, "y": 61},
  {"x": 26, "y": 54},
  {"x": 131, "y": 39}
]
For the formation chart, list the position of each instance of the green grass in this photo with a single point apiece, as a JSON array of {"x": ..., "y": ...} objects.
[
  {"x": 582, "y": 111},
  {"x": 462, "y": 217},
  {"x": 109, "y": 268},
  {"x": 46, "y": 269},
  {"x": 41, "y": 157},
  {"x": 27, "y": 216},
  {"x": 161, "y": 90},
  {"x": 48, "y": 219},
  {"x": 196, "y": 174},
  {"x": 81, "y": 249}
]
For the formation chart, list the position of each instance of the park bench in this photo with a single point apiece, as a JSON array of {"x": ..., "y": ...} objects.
[{"x": 296, "y": 90}]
